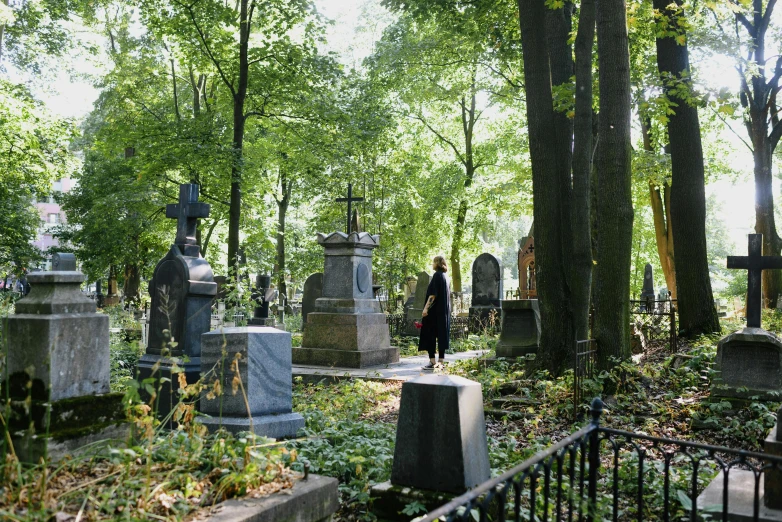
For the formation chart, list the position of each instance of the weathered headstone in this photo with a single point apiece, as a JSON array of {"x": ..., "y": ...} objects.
[
  {"x": 262, "y": 356},
  {"x": 57, "y": 350},
  {"x": 486, "y": 292},
  {"x": 313, "y": 290},
  {"x": 415, "y": 312},
  {"x": 182, "y": 290},
  {"x": 647, "y": 292},
  {"x": 440, "y": 441},
  {"x": 749, "y": 362},
  {"x": 520, "y": 333},
  {"x": 262, "y": 296}
]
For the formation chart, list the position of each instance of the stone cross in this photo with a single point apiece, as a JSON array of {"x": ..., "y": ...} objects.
[
  {"x": 187, "y": 212},
  {"x": 754, "y": 263},
  {"x": 350, "y": 199}
]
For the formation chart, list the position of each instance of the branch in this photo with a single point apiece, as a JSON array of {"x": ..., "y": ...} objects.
[
  {"x": 208, "y": 50},
  {"x": 441, "y": 137},
  {"x": 766, "y": 19},
  {"x": 776, "y": 133},
  {"x": 732, "y": 130}
]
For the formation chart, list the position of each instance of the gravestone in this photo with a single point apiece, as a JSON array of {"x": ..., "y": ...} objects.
[
  {"x": 647, "y": 292},
  {"x": 520, "y": 333},
  {"x": 486, "y": 292},
  {"x": 58, "y": 368},
  {"x": 526, "y": 265},
  {"x": 348, "y": 328},
  {"x": 415, "y": 312},
  {"x": 182, "y": 290},
  {"x": 749, "y": 362},
  {"x": 262, "y": 295},
  {"x": 263, "y": 404},
  {"x": 313, "y": 290},
  {"x": 441, "y": 443}
]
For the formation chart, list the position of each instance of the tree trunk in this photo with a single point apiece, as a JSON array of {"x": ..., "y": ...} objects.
[
  {"x": 764, "y": 218},
  {"x": 282, "y": 211},
  {"x": 581, "y": 264},
  {"x": 132, "y": 283},
  {"x": 615, "y": 208},
  {"x": 556, "y": 316},
  {"x": 663, "y": 233},
  {"x": 697, "y": 314},
  {"x": 456, "y": 245},
  {"x": 235, "y": 209}
]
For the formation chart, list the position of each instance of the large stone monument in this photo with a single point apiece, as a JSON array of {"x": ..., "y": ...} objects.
[
  {"x": 527, "y": 282},
  {"x": 182, "y": 290},
  {"x": 263, "y": 403},
  {"x": 313, "y": 290},
  {"x": 415, "y": 311},
  {"x": 520, "y": 333},
  {"x": 486, "y": 292},
  {"x": 347, "y": 328},
  {"x": 749, "y": 362},
  {"x": 440, "y": 444},
  {"x": 263, "y": 296},
  {"x": 58, "y": 368}
]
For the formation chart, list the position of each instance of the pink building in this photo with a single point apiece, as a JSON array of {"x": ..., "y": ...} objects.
[{"x": 51, "y": 215}]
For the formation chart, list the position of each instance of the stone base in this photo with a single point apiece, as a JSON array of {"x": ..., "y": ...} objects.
[
  {"x": 480, "y": 317},
  {"x": 257, "y": 321},
  {"x": 741, "y": 498},
  {"x": 520, "y": 333},
  {"x": 31, "y": 448},
  {"x": 312, "y": 500},
  {"x": 412, "y": 315},
  {"x": 168, "y": 396},
  {"x": 281, "y": 426},
  {"x": 345, "y": 358},
  {"x": 390, "y": 500},
  {"x": 749, "y": 364}
]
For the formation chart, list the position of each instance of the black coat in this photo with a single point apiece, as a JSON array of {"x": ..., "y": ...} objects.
[{"x": 437, "y": 323}]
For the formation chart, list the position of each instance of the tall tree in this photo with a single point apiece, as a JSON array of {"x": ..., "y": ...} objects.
[
  {"x": 548, "y": 170},
  {"x": 614, "y": 206},
  {"x": 697, "y": 314}
]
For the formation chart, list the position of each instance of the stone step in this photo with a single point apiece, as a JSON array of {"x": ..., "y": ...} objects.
[
  {"x": 504, "y": 402},
  {"x": 499, "y": 414}
]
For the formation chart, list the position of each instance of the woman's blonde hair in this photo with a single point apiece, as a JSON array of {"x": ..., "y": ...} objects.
[{"x": 440, "y": 264}]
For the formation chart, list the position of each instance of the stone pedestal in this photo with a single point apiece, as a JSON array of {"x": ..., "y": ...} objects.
[
  {"x": 347, "y": 328},
  {"x": 749, "y": 364},
  {"x": 264, "y": 363},
  {"x": 57, "y": 350},
  {"x": 441, "y": 435},
  {"x": 520, "y": 328}
]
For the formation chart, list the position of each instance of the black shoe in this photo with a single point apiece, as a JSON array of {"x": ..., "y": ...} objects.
[{"x": 428, "y": 367}]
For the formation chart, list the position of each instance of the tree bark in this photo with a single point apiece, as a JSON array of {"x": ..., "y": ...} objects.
[
  {"x": 663, "y": 233},
  {"x": 456, "y": 245},
  {"x": 282, "y": 210},
  {"x": 132, "y": 283},
  {"x": 581, "y": 264},
  {"x": 615, "y": 208},
  {"x": 556, "y": 316},
  {"x": 697, "y": 314}
]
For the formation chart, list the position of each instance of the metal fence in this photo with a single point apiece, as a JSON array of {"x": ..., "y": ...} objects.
[
  {"x": 583, "y": 369},
  {"x": 398, "y": 327},
  {"x": 654, "y": 322},
  {"x": 599, "y": 473}
]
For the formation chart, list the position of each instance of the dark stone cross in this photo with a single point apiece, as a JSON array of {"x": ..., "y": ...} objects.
[
  {"x": 187, "y": 212},
  {"x": 754, "y": 263},
  {"x": 350, "y": 199}
]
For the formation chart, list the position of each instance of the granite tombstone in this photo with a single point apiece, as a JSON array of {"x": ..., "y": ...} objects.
[
  {"x": 486, "y": 292},
  {"x": 520, "y": 333},
  {"x": 749, "y": 362},
  {"x": 313, "y": 290},
  {"x": 416, "y": 310},
  {"x": 182, "y": 290},
  {"x": 58, "y": 368},
  {"x": 647, "y": 292},
  {"x": 262, "y": 296}
]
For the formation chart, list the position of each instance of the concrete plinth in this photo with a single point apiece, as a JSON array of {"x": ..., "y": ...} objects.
[
  {"x": 749, "y": 364},
  {"x": 441, "y": 435},
  {"x": 741, "y": 498},
  {"x": 520, "y": 328}
]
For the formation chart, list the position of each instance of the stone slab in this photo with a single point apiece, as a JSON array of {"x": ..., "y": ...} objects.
[
  {"x": 749, "y": 364},
  {"x": 264, "y": 369},
  {"x": 389, "y": 500},
  {"x": 486, "y": 281},
  {"x": 312, "y": 500},
  {"x": 741, "y": 498},
  {"x": 520, "y": 333},
  {"x": 347, "y": 337},
  {"x": 407, "y": 368},
  {"x": 280, "y": 426},
  {"x": 313, "y": 290},
  {"x": 441, "y": 435},
  {"x": 344, "y": 358}
]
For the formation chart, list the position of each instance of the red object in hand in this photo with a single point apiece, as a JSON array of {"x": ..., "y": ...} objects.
[{"x": 418, "y": 325}]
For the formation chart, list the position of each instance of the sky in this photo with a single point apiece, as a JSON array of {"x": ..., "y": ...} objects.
[{"x": 353, "y": 42}]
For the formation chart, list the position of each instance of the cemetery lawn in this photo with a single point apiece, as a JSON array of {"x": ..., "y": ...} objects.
[{"x": 350, "y": 428}]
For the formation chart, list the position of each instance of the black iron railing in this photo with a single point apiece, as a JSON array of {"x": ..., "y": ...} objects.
[
  {"x": 583, "y": 369},
  {"x": 599, "y": 473},
  {"x": 654, "y": 322},
  {"x": 400, "y": 326}
]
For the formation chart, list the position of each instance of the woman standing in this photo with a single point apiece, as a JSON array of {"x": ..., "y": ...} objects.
[{"x": 436, "y": 317}]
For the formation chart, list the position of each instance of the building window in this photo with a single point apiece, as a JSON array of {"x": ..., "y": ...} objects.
[{"x": 54, "y": 219}]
